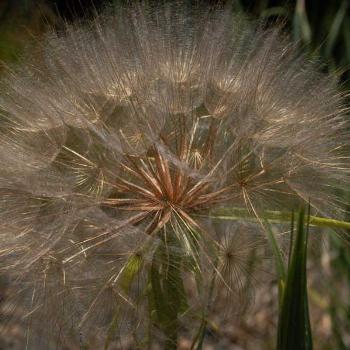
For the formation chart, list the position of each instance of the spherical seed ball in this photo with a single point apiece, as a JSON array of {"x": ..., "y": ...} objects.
[{"x": 121, "y": 139}]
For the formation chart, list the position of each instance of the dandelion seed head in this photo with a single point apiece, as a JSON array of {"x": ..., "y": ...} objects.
[{"x": 123, "y": 135}]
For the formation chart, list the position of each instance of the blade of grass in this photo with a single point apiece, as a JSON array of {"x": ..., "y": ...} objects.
[
  {"x": 278, "y": 258},
  {"x": 167, "y": 292},
  {"x": 294, "y": 330},
  {"x": 335, "y": 29},
  {"x": 346, "y": 33},
  {"x": 291, "y": 239},
  {"x": 301, "y": 26}
]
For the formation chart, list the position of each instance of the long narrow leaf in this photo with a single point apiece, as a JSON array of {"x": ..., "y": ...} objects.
[
  {"x": 294, "y": 330},
  {"x": 301, "y": 26},
  {"x": 335, "y": 29},
  {"x": 278, "y": 258},
  {"x": 168, "y": 298}
]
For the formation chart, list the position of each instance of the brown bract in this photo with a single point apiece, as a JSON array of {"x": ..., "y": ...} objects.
[{"x": 159, "y": 189}]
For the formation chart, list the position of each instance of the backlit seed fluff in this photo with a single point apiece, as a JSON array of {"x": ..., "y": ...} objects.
[{"x": 120, "y": 137}]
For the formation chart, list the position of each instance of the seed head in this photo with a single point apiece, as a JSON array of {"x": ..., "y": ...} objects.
[{"x": 122, "y": 136}]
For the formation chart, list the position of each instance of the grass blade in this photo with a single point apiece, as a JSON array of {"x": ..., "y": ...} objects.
[
  {"x": 280, "y": 265},
  {"x": 294, "y": 330},
  {"x": 167, "y": 293},
  {"x": 301, "y": 26},
  {"x": 335, "y": 29}
]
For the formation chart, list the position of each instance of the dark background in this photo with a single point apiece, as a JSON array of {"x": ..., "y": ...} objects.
[{"x": 323, "y": 27}]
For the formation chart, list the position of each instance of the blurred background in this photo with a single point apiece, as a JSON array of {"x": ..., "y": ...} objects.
[
  {"x": 322, "y": 26},
  {"x": 323, "y": 29}
]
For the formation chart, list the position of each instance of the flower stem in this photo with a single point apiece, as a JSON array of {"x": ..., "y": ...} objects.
[{"x": 275, "y": 217}]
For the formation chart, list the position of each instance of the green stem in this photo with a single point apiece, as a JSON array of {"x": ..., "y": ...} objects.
[
  {"x": 199, "y": 339},
  {"x": 168, "y": 296},
  {"x": 275, "y": 217}
]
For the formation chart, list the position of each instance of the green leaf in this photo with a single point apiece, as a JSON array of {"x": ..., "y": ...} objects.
[
  {"x": 346, "y": 34},
  {"x": 335, "y": 29},
  {"x": 280, "y": 265},
  {"x": 294, "y": 330},
  {"x": 159, "y": 302},
  {"x": 301, "y": 26},
  {"x": 167, "y": 293}
]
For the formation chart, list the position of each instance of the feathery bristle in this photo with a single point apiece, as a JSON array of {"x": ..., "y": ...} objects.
[{"x": 121, "y": 137}]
